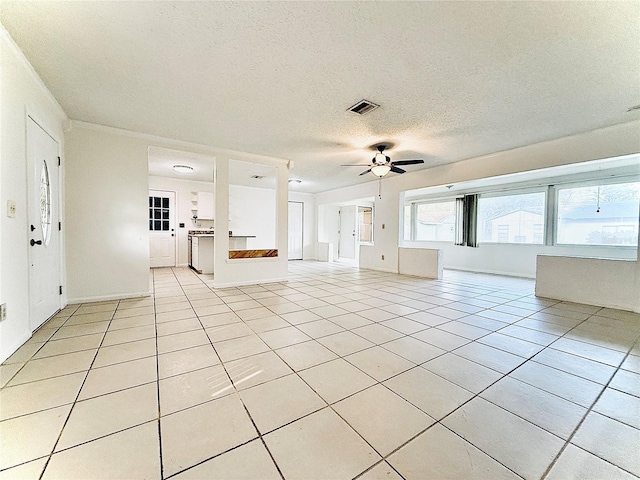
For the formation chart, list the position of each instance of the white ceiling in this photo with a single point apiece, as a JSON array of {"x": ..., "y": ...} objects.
[{"x": 454, "y": 79}]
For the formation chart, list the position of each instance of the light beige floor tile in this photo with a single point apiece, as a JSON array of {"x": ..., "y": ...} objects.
[
  {"x": 283, "y": 337},
  {"x": 381, "y": 471},
  {"x": 187, "y": 360},
  {"x": 8, "y": 371},
  {"x": 178, "y": 326},
  {"x": 248, "y": 462},
  {"x": 254, "y": 313},
  {"x": 350, "y": 321},
  {"x": 579, "y": 366},
  {"x": 592, "y": 352},
  {"x": 108, "y": 414},
  {"x": 428, "y": 318},
  {"x": 619, "y": 406},
  {"x": 543, "y": 409},
  {"x": 133, "y": 312},
  {"x": 114, "y": 337},
  {"x": 136, "y": 450},
  {"x": 521, "y": 446},
  {"x": 279, "y": 402},
  {"x": 53, "y": 367},
  {"x": 305, "y": 355},
  {"x": 469, "y": 375},
  {"x": 193, "y": 435},
  {"x": 240, "y": 347},
  {"x": 511, "y": 344},
  {"x": 376, "y": 314},
  {"x": 336, "y": 380},
  {"x": 24, "y": 353},
  {"x": 379, "y": 363},
  {"x": 219, "y": 319},
  {"x": 78, "y": 330},
  {"x": 493, "y": 358},
  {"x": 299, "y": 316},
  {"x": 458, "y": 327},
  {"x": 267, "y": 324},
  {"x": 189, "y": 389},
  {"x": 345, "y": 343},
  {"x": 577, "y": 464},
  {"x": 69, "y": 345},
  {"x": 440, "y": 454},
  {"x": 124, "y": 352},
  {"x": 34, "y": 396},
  {"x": 377, "y": 333},
  {"x": 185, "y": 314},
  {"x": 576, "y": 389},
  {"x": 441, "y": 339},
  {"x": 25, "y": 471},
  {"x": 118, "y": 377},
  {"x": 632, "y": 364},
  {"x": 611, "y": 440},
  {"x": 180, "y": 341},
  {"x": 320, "y": 328},
  {"x": 384, "y": 419},
  {"x": 173, "y": 306},
  {"x": 321, "y": 445},
  {"x": 256, "y": 369},
  {"x": 432, "y": 394},
  {"x": 413, "y": 349},
  {"x": 130, "y": 322},
  {"x": 31, "y": 436},
  {"x": 404, "y": 325},
  {"x": 627, "y": 382}
]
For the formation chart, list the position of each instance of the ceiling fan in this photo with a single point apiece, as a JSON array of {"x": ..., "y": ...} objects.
[{"x": 381, "y": 164}]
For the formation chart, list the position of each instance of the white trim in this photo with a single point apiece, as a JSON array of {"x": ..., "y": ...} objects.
[
  {"x": 104, "y": 298},
  {"x": 4, "y": 35},
  {"x": 386, "y": 270},
  {"x": 490, "y": 272},
  {"x": 209, "y": 150}
]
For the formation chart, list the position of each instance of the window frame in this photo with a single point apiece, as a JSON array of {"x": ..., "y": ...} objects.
[{"x": 414, "y": 216}]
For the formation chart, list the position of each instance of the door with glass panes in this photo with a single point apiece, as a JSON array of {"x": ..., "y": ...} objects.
[{"x": 162, "y": 238}]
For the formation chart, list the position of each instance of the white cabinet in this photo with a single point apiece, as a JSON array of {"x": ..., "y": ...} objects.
[
  {"x": 203, "y": 205},
  {"x": 202, "y": 253}
]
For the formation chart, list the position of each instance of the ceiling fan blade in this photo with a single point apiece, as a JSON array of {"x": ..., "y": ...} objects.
[
  {"x": 408, "y": 162},
  {"x": 356, "y": 165},
  {"x": 397, "y": 170},
  {"x": 365, "y": 172}
]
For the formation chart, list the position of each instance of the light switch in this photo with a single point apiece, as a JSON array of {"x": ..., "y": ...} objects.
[{"x": 11, "y": 209}]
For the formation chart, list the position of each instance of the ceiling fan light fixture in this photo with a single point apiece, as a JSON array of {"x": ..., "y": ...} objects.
[
  {"x": 183, "y": 168},
  {"x": 380, "y": 159},
  {"x": 380, "y": 170}
]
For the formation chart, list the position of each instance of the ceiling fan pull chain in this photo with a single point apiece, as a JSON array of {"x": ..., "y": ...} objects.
[{"x": 380, "y": 188}]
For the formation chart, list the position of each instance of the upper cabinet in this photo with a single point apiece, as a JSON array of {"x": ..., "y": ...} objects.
[{"x": 203, "y": 205}]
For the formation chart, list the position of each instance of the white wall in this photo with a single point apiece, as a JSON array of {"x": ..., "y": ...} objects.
[
  {"x": 309, "y": 224},
  {"x": 22, "y": 93},
  {"x": 183, "y": 189},
  {"x": 252, "y": 211}
]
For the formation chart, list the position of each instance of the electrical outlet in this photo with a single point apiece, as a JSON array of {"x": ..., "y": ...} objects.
[
  {"x": 382, "y": 257},
  {"x": 11, "y": 209},
  {"x": 3, "y": 312}
]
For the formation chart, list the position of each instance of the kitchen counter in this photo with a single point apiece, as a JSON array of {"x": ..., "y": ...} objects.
[
  {"x": 201, "y": 248},
  {"x": 209, "y": 233}
]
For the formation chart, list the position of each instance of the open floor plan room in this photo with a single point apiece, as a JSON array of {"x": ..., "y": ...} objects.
[{"x": 338, "y": 373}]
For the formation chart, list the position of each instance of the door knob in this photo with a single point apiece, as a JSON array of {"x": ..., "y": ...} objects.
[
  {"x": 32, "y": 228},
  {"x": 35, "y": 242}
]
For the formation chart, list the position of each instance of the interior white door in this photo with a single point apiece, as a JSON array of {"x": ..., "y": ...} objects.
[
  {"x": 347, "y": 247},
  {"x": 44, "y": 234},
  {"x": 162, "y": 228},
  {"x": 295, "y": 230}
]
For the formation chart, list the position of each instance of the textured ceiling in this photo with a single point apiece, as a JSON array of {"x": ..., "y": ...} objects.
[{"x": 454, "y": 79}]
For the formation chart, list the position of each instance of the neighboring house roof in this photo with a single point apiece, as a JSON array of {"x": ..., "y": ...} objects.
[{"x": 532, "y": 210}]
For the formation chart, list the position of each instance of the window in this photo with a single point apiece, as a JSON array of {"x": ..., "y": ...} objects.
[
  {"x": 514, "y": 218},
  {"x": 598, "y": 215},
  {"x": 435, "y": 221},
  {"x": 365, "y": 224},
  {"x": 45, "y": 203},
  {"x": 158, "y": 213}
]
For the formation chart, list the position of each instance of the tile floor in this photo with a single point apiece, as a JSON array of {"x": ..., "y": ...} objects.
[{"x": 337, "y": 374}]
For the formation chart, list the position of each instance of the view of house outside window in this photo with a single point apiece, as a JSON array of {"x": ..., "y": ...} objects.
[
  {"x": 515, "y": 218},
  {"x": 599, "y": 215},
  {"x": 436, "y": 221}
]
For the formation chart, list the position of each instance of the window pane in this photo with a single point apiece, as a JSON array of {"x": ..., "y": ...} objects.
[
  {"x": 165, "y": 202},
  {"x": 365, "y": 221},
  {"x": 407, "y": 222},
  {"x": 157, "y": 225},
  {"x": 150, "y": 224},
  {"x": 436, "y": 221},
  {"x": 165, "y": 225},
  {"x": 599, "y": 215},
  {"x": 157, "y": 214},
  {"x": 156, "y": 201},
  {"x": 151, "y": 201},
  {"x": 512, "y": 218},
  {"x": 165, "y": 214}
]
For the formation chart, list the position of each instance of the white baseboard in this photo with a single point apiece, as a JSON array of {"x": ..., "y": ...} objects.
[
  {"x": 491, "y": 272},
  {"x": 104, "y": 298},
  {"x": 385, "y": 270}
]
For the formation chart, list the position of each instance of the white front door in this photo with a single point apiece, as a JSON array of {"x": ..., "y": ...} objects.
[
  {"x": 44, "y": 233},
  {"x": 162, "y": 228},
  {"x": 347, "y": 247},
  {"x": 295, "y": 230}
]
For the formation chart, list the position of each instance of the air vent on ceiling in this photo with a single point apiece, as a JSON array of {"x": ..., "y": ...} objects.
[
  {"x": 363, "y": 106},
  {"x": 257, "y": 177}
]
